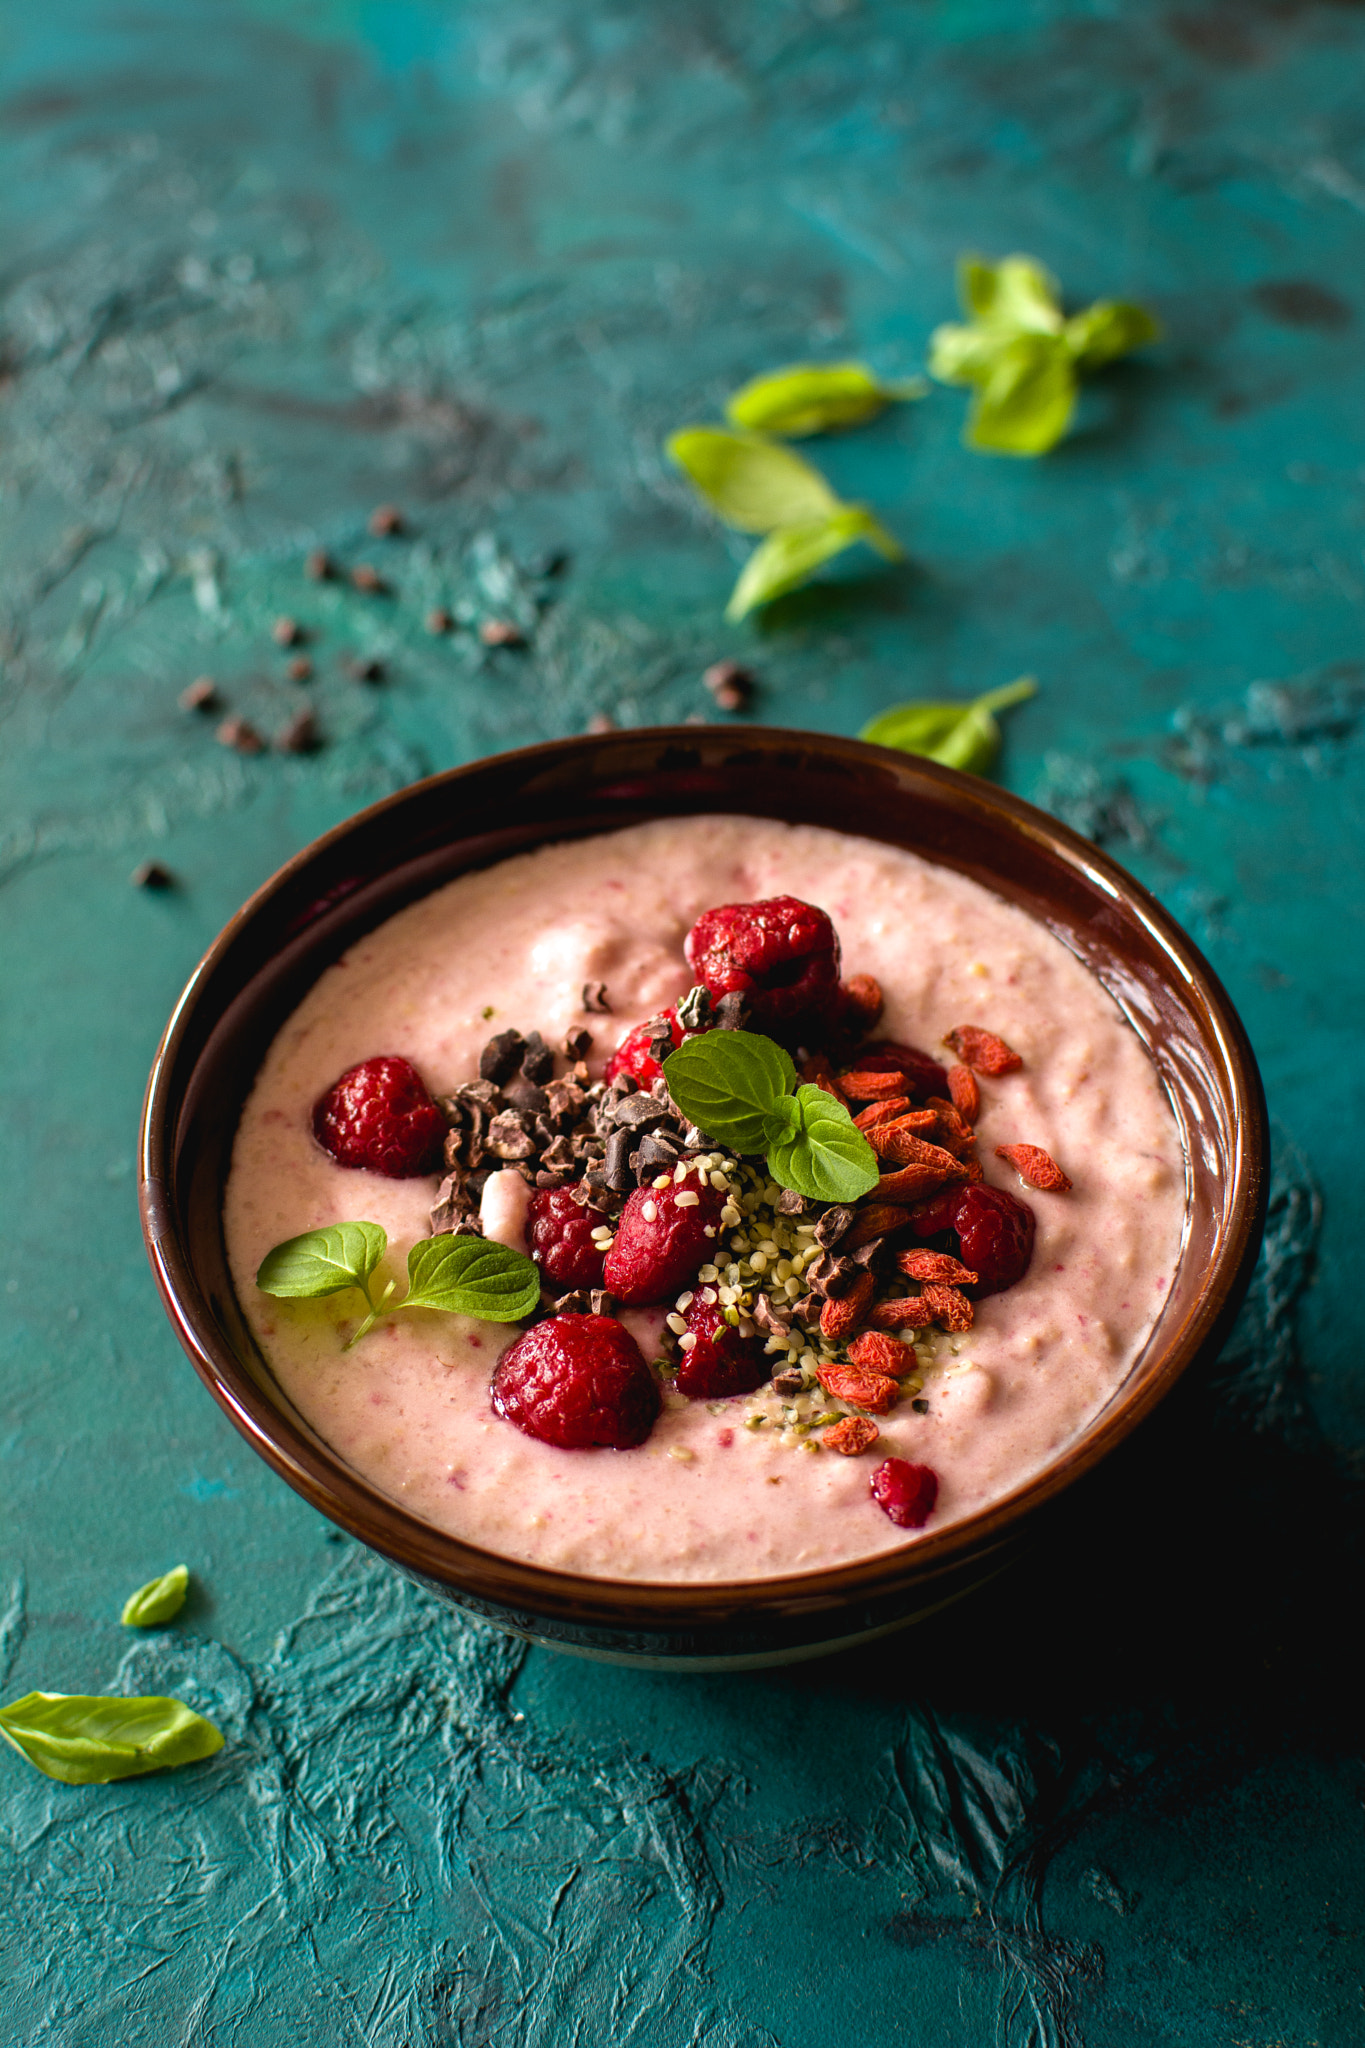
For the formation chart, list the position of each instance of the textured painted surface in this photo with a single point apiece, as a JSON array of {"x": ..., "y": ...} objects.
[{"x": 266, "y": 266}]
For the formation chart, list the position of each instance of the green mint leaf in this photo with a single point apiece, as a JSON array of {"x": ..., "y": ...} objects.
[
  {"x": 813, "y": 398},
  {"x": 322, "y": 1261},
  {"x": 84, "y": 1739},
  {"x": 729, "y": 1083},
  {"x": 1024, "y": 405},
  {"x": 751, "y": 483},
  {"x": 159, "y": 1600},
  {"x": 471, "y": 1276},
  {"x": 782, "y": 1123},
  {"x": 827, "y": 1157},
  {"x": 791, "y": 556},
  {"x": 958, "y": 735},
  {"x": 1106, "y": 330}
]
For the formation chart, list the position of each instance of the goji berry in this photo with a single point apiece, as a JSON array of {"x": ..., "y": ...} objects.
[
  {"x": 1036, "y": 1168},
  {"x": 982, "y": 1050}
]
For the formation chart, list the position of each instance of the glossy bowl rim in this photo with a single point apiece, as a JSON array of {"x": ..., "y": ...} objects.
[{"x": 535, "y": 1591}]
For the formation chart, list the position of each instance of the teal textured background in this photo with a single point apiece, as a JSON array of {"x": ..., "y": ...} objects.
[{"x": 264, "y": 266}]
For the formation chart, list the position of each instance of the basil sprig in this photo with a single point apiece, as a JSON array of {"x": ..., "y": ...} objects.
[
  {"x": 92, "y": 1739},
  {"x": 958, "y": 735},
  {"x": 1023, "y": 355},
  {"x": 816, "y": 398},
  {"x": 159, "y": 1600},
  {"x": 467, "y": 1276},
  {"x": 758, "y": 486},
  {"x": 741, "y": 1089}
]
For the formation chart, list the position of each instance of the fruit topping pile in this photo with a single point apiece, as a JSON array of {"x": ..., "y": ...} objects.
[{"x": 826, "y": 1311}]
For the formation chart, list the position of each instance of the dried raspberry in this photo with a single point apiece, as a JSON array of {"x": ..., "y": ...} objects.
[
  {"x": 924, "y": 1074},
  {"x": 721, "y": 1362},
  {"x": 905, "y": 1492},
  {"x": 839, "y": 1319},
  {"x": 577, "y": 1381},
  {"x": 995, "y": 1231},
  {"x": 1036, "y": 1168},
  {"x": 781, "y": 955},
  {"x": 661, "y": 1240},
  {"x": 559, "y": 1232},
  {"x": 874, "y": 1352},
  {"x": 949, "y": 1307},
  {"x": 872, "y": 1390},
  {"x": 935, "y": 1266},
  {"x": 981, "y": 1050},
  {"x": 965, "y": 1092},
  {"x": 632, "y": 1056},
  {"x": 379, "y": 1115},
  {"x": 854, "y": 1434}
]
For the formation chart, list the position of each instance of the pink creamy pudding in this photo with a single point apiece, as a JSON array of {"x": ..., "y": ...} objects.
[{"x": 734, "y": 1489}]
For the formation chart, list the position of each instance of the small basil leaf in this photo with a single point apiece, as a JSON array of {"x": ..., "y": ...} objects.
[
  {"x": 1025, "y": 404},
  {"x": 1016, "y": 294},
  {"x": 791, "y": 556},
  {"x": 322, "y": 1261},
  {"x": 159, "y": 1600},
  {"x": 813, "y": 398},
  {"x": 827, "y": 1158},
  {"x": 728, "y": 1083},
  {"x": 1023, "y": 357},
  {"x": 84, "y": 1739},
  {"x": 1106, "y": 330},
  {"x": 957, "y": 735},
  {"x": 751, "y": 483},
  {"x": 472, "y": 1276}
]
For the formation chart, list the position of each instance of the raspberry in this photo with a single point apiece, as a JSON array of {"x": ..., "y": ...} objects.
[
  {"x": 923, "y": 1076},
  {"x": 632, "y": 1056},
  {"x": 905, "y": 1492},
  {"x": 661, "y": 1240},
  {"x": 721, "y": 1362},
  {"x": 995, "y": 1230},
  {"x": 781, "y": 955},
  {"x": 559, "y": 1233},
  {"x": 379, "y": 1115},
  {"x": 576, "y": 1381}
]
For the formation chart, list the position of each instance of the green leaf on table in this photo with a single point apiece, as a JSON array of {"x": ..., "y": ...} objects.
[
  {"x": 791, "y": 556},
  {"x": 729, "y": 1083},
  {"x": 1023, "y": 355},
  {"x": 1106, "y": 330},
  {"x": 1016, "y": 295},
  {"x": 322, "y": 1261},
  {"x": 826, "y": 1157},
  {"x": 159, "y": 1600},
  {"x": 84, "y": 1739},
  {"x": 471, "y": 1276},
  {"x": 1023, "y": 405},
  {"x": 957, "y": 735},
  {"x": 813, "y": 398},
  {"x": 750, "y": 482}
]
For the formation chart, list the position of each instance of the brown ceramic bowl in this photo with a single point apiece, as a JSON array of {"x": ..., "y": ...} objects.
[{"x": 358, "y": 875}]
